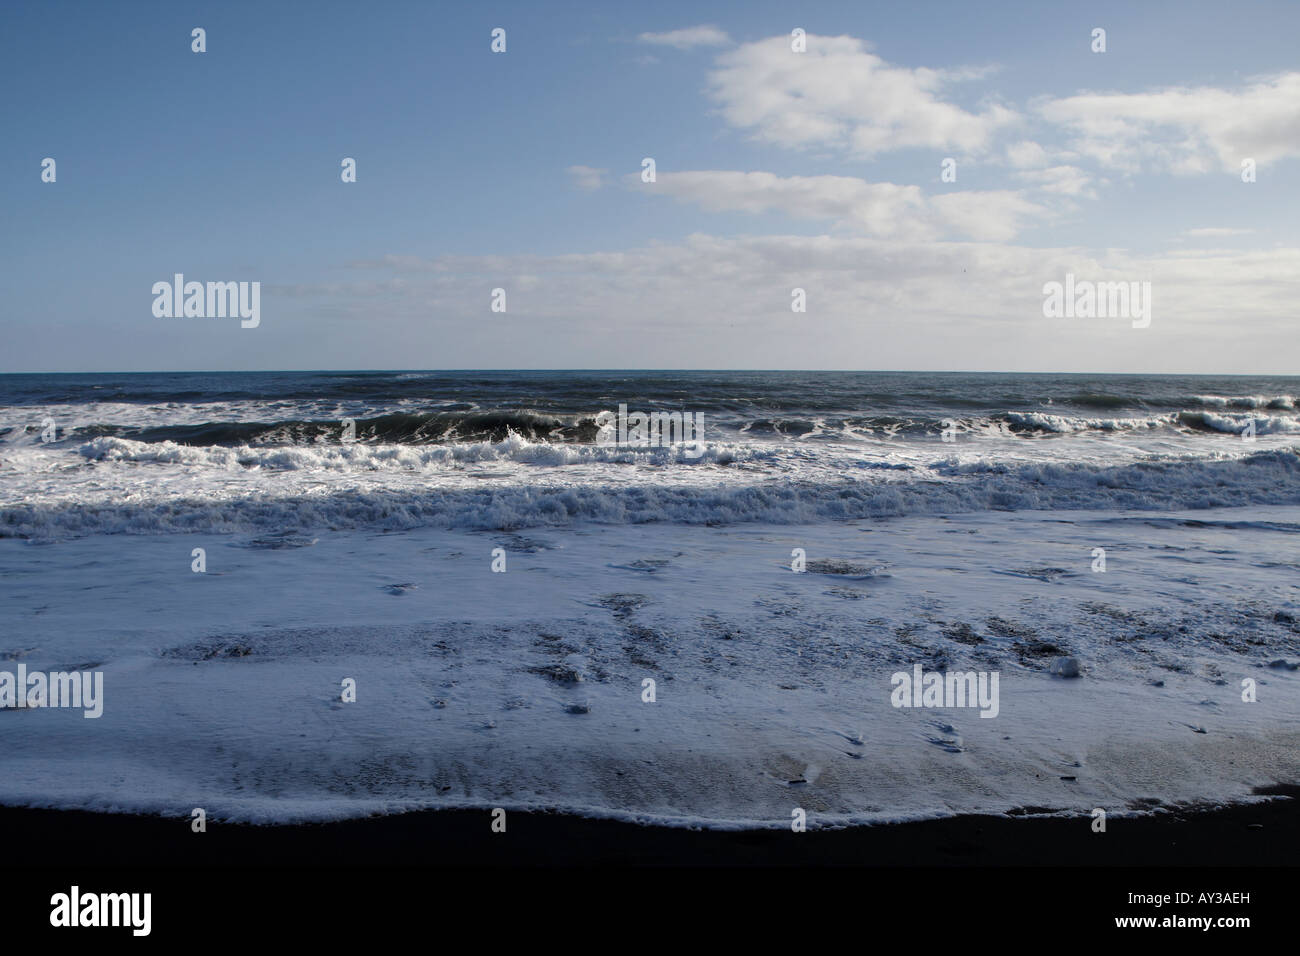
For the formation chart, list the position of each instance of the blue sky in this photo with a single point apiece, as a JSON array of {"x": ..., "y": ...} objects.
[{"x": 775, "y": 169}]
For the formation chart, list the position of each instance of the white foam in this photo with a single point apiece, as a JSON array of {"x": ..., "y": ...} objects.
[
  {"x": 117, "y": 485},
  {"x": 1247, "y": 401},
  {"x": 1065, "y": 424},
  {"x": 221, "y": 688}
]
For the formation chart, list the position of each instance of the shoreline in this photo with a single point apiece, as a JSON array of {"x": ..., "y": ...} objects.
[{"x": 1266, "y": 833}]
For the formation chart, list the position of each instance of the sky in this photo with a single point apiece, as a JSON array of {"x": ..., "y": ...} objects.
[{"x": 776, "y": 169}]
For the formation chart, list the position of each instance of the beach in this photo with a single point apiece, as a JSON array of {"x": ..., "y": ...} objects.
[
  {"x": 1265, "y": 833},
  {"x": 871, "y": 627}
]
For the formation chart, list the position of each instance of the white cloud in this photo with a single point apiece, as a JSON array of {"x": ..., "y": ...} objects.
[
  {"x": 996, "y": 215},
  {"x": 587, "y": 177},
  {"x": 838, "y": 94},
  {"x": 1184, "y": 129},
  {"x": 1062, "y": 180},
  {"x": 883, "y": 210},
  {"x": 688, "y": 38},
  {"x": 1027, "y": 155},
  {"x": 906, "y": 279},
  {"x": 879, "y": 209},
  {"x": 871, "y": 304},
  {"x": 1215, "y": 232}
]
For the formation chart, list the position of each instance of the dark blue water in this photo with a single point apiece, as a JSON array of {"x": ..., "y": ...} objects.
[
  {"x": 576, "y": 391},
  {"x": 414, "y": 407}
]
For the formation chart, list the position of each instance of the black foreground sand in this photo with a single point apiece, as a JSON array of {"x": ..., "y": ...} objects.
[{"x": 1243, "y": 835}]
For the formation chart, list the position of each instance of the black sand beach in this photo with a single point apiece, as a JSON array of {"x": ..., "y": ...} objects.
[
  {"x": 1025, "y": 878},
  {"x": 1245, "y": 835}
]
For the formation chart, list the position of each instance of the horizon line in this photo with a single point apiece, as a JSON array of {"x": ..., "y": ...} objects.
[{"x": 625, "y": 370}]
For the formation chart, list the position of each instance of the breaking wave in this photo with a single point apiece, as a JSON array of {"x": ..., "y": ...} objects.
[{"x": 950, "y": 486}]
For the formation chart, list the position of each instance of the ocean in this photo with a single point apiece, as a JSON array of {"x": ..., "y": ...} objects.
[{"x": 498, "y": 577}]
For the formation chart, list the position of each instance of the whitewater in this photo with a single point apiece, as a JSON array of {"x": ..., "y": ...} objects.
[{"x": 373, "y": 560}]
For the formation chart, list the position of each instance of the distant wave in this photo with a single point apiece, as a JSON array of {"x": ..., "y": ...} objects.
[
  {"x": 393, "y": 429},
  {"x": 1032, "y": 422},
  {"x": 1264, "y": 424},
  {"x": 1196, "y": 421},
  {"x": 1244, "y": 401},
  {"x": 1271, "y": 477},
  {"x": 457, "y": 426},
  {"x": 361, "y": 457}
]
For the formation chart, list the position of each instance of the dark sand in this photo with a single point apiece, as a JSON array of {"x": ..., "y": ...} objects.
[
  {"x": 991, "y": 880},
  {"x": 1261, "y": 834}
]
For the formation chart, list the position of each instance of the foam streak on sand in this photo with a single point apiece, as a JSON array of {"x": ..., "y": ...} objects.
[{"x": 524, "y": 689}]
